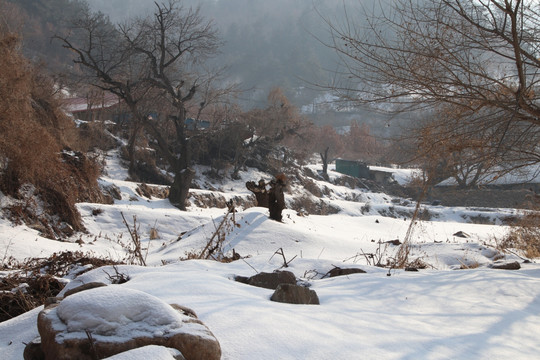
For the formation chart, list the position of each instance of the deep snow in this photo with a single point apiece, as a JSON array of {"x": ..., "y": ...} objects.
[{"x": 436, "y": 313}]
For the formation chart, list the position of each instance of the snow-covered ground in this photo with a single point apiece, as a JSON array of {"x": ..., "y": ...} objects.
[{"x": 437, "y": 313}]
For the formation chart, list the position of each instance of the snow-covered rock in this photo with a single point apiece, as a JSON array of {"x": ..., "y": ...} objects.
[{"x": 110, "y": 320}]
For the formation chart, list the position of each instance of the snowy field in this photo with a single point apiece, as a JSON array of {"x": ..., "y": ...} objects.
[{"x": 456, "y": 308}]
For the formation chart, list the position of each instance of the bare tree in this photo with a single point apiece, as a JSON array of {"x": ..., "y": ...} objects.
[
  {"x": 105, "y": 61},
  {"x": 468, "y": 160},
  {"x": 154, "y": 60},
  {"x": 479, "y": 59},
  {"x": 277, "y": 124},
  {"x": 361, "y": 144},
  {"x": 329, "y": 144}
]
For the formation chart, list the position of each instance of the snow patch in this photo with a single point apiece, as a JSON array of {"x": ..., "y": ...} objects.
[{"x": 153, "y": 352}]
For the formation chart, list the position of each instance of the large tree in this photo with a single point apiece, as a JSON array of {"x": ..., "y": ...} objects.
[
  {"x": 153, "y": 61},
  {"x": 475, "y": 61}
]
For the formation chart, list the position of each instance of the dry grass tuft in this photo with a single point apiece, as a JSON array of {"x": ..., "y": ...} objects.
[
  {"x": 525, "y": 235},
  {"x": 28, "y": 284}
]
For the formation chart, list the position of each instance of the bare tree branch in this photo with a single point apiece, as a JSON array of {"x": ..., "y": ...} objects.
[{"x": 476, "y": 62}]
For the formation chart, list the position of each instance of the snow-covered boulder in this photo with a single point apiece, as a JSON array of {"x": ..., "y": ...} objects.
[{"x": 106, "y": 321}]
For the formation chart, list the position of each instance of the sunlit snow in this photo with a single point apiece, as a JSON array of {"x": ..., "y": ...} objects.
[{"x": 437, "y": 313}]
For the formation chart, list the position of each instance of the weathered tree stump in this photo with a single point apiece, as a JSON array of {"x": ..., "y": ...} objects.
[
  {"x": 276, "y": 198},
  {"x": 261, "y": 194},
  {"x": 273, "y": 198}
]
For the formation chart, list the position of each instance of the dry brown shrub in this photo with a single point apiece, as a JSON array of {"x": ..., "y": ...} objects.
[
  {"x": 525, "y": 235},
  {"x": 19, "y": 294},
  {"x": 33, "y": 131},
  {"x": 94, "y": 135},
  {"x": 312, "y": 187},
  {"x": 29, "y": 283},
  {"x": 150, "y": 191}
]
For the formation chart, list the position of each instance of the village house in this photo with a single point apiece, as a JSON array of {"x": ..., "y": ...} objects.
[
  {"x": 104, "y": 106},
  {"x": 362, "y": 170}
]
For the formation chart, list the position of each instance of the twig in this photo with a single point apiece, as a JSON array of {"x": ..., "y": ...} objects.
[
  {"x": 118, "y": 278},
  {"x": 93, "y": 352},
  {"x": 7, "y": 249},
  {"x": 231, "y": 209},
  {"x": 516, "y": 254},
  {"x": 402, "y": 256},
  {"x": 249, "y": 265},
  {"x": 281, "y": 252},
  {"x": 137, "y": 253}
]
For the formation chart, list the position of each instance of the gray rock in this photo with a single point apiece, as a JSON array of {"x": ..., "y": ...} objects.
[
  {"x": 337, "y": 271},
  {"x": 242, "y": 279},
  {"x": 272, "y": 280},
  {"x": 295, "y": 294},
  {"x": 507, "y": 266}
]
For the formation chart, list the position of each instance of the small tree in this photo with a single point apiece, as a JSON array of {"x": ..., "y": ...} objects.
[
  {"x": 361, "y": 144},
  {"x": 277, "y": 124},
  {"x": 329, "y": 144},
  {"x": 444, "y": 154}
]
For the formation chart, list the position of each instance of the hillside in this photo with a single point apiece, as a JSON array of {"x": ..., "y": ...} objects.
[{"x": 456, "y": 307}]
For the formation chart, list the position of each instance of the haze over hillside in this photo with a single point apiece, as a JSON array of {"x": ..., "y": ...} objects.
[
  {"x": 273, "y": 44},
  {"x": 267, "y": 43}
]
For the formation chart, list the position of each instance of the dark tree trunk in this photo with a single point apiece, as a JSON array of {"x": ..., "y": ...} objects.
[
  {"x": 183, "y": 175},
  {"x": 324, "y": 159},
  {"x": 273, "y": 199},
  {"x": 276, "y": 199},
  {"x": 131, "y": 147},
  {"x": 261, "y": 194},
  {"x": 179, "y": 190},
  {"x": 180, "y": 163}
]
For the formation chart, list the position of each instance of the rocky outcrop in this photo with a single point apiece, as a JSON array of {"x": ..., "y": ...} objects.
[{"x": 285, "y": 285}]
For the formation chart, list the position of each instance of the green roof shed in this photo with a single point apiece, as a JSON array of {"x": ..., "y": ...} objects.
[{"x": 352, "y": 168}]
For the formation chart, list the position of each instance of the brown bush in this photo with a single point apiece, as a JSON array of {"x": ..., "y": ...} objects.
[
  {"x": 312, "y": 187},
  {"x": 29, "y": 283},
  {"x": 16, "y": 298},
  {"x": 33, "y": 131},
  {"x": 525, "y": 235},
  {"x": 93, "y": 135}
]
